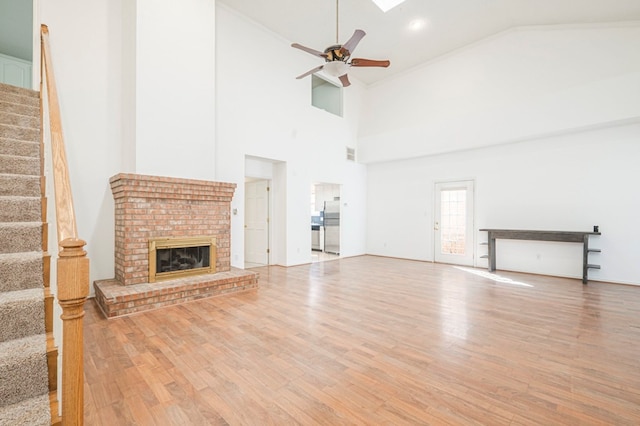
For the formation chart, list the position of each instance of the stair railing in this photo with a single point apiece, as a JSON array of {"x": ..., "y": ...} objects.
[{"x": 72, "y": 264}]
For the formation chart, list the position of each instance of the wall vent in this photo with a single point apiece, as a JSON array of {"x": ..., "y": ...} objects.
[{"x": 351, "y": 154}]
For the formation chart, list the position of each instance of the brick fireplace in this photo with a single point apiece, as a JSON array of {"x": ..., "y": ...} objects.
[{"x": 149, "y": 209}]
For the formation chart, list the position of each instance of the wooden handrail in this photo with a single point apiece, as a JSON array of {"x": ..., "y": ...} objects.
[
  {"x": 73, "y": 264},
  {"x": 65, "y": 214}
]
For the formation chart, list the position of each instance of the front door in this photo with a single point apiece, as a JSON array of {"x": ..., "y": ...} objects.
[{"x": 453, "y": 225}]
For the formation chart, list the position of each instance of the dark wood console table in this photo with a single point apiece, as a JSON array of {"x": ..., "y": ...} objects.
[{"x": 560, "y": 236}]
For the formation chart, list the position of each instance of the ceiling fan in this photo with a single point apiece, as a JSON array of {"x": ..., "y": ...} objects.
[{"x": 337, "y": 57}]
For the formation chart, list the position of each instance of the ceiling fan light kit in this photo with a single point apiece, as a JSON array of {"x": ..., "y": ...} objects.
[
  {"x": 337, "y": 57},
  {"x": 387, "y": 5},
  {"x": 336, "y": 68}
]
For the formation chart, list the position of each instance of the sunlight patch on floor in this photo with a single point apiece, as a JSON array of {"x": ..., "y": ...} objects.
[{"x": 494, "y": 277}]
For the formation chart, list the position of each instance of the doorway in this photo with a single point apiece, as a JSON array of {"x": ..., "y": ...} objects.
[
  {"x": 18, "y": 43},
  {"x": 256, "y": 222},
  {"x": 453, "y": 222},
  {"x": 325, "y": 221}
]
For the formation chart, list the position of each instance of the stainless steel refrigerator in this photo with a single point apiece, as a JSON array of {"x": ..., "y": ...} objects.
[{"x": 332, "y": 227}]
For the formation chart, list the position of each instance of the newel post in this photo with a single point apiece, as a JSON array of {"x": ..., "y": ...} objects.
[{"x": 73, "y": 289}]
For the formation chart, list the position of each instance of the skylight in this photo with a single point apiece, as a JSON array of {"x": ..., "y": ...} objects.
[{"x": 386, "y": 5}]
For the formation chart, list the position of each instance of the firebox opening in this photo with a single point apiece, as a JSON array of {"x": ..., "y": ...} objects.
[{"x": 178, "y": 257}]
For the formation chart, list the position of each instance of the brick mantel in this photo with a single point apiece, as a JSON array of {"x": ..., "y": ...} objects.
[
  {"x": 158, "y": 207},
  {"x": 158, "y": 187}
]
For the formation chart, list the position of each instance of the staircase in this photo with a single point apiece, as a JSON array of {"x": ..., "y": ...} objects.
[{"x": 28, "y": 356}]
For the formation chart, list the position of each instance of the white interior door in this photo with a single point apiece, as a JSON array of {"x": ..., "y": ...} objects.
[
  {"x": 256, "y": 223},
  {"x": 453, "y": 223}
]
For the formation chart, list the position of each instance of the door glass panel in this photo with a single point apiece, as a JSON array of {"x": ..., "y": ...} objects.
[{"x": 453, "y": 221}]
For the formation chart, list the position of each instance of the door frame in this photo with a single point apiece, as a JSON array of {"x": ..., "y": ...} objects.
[{"x": 470, "y": 232}]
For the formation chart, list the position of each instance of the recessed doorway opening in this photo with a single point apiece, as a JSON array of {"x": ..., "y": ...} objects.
[{"x": 325, "y": 209}]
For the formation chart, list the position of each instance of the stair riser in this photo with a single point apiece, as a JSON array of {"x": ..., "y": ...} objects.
[
  {"x": 23, "y": 377},
  {"x": 21, "y": 272},
  {"x": 19, "y": 120},
  {"x": 21, "y": 100},
  {"x": 15, "y": 185},
  {"x": 20, "y": 133},
  {"x": 18, "y": 239},
  {"x": 19, "y": 148},
  {"x": 19, "y": 109},
  {"x": 20, "y": 209},
  {"x": 19, "y": 165},
  {"x": 30, "y": 412},
  {"x": 21, "y": 319}
]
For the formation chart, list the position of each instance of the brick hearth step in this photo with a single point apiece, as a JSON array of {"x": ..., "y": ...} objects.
[{"x": 116, "y": 299}]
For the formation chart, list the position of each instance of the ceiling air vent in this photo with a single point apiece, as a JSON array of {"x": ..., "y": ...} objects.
[{"x": 351, "y": 154}]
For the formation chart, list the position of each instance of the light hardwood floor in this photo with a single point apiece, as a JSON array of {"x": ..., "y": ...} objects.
[{"x": 371, "y": 340}]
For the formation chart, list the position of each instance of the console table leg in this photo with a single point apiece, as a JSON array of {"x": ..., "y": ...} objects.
[
  {"x": 492, "y": 253},
  {"x": 585, "y": 259}
]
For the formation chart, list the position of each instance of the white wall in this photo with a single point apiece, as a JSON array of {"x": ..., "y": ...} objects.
[
  {"x": 175, "y": 88},
  {"x": 568, "y": 182},
  {"x": 133, "y": 101},
  {"x": 520, "y": 84},
  {"x": 128, "y": 102},
  {"x": 86, "y": 52},
  {"x": 545, "y": 119},
  {"x": 263, "y": 111}
]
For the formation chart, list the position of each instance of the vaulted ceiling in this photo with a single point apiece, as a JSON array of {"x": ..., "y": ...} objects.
[{"x": 419, "y": 30}]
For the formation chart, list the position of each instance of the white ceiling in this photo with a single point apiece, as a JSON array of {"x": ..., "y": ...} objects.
[{"x": 449, "y": 24}]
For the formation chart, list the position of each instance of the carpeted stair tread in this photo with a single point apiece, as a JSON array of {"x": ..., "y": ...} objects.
[
  {"x": 31, "y": 412},
  {"x": 15, "y": 98},
  {"x": 20, "y": 271},
  {"x": 20, "y": 209},
  {"x": 23, "y": 369},
  {"x": 18, "y": 165},
  {"x": 24, "y": 374},
  {"x": 17, "y": 237},
  {"x": 14, "y": 147},
  {"x": 28, "y": 134},
  {"x": 23, "y": 120},
  {"x": 19, "y": 185},
  {"x": 8, "y": 88},
  {"x": 19, "y": 108},
  {"x": 21, "y": 313}
]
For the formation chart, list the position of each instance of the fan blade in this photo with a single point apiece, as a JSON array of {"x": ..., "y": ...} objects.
[
  {"x": 309, "y": 50},
  {"x": 344, "y": 79},
  {"x": 315, "y": 70},
  {"x": 360, "y": 62},
  {"x": 351, "y": 44}
]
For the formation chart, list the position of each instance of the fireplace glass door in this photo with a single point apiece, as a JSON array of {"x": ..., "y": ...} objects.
[{"x": 177, "y": 257}]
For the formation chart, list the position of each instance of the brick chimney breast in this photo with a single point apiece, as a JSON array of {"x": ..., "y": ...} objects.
[{"x": 163, "y": 207}]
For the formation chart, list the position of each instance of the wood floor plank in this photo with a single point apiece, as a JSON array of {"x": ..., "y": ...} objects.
[{"x": 371, "y": 340}]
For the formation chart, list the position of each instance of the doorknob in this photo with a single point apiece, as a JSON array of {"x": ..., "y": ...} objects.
[{"x": 436, "y": 226}]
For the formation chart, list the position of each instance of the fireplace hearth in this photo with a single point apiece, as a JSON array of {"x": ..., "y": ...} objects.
[{"x": 172, "y": 244}]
